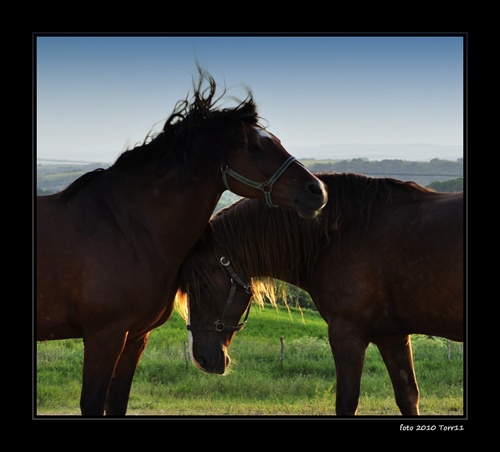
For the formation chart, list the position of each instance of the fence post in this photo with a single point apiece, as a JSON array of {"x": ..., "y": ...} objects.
[
  {"x": 448, "y": 345},
  {"x": 282, "y": 354},
  {"x": 186, "y": 354}
]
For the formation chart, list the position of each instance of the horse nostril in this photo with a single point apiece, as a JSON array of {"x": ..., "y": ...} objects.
[{"x": 315, "y": 188}]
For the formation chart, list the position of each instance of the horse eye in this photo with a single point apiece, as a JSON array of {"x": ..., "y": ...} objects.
[{"x": 254, "y": 147}]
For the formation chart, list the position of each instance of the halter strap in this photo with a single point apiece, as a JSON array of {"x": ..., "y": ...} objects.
[
  {"x": 266, "y": 187},
  {"x": 220, "y": 325},
  {"x": 226, "y": 263}
]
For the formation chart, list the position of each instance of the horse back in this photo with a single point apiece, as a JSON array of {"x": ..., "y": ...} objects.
[
  {"x": 432, "y": 299},
  {"x": 402, "y": 273}
]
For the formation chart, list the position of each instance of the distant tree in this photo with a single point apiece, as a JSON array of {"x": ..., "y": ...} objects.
[
  {"x": 225, "y": 200},
  {"x": 295, "y": 296},
  {"x": 453, "y": 185},
  {"x": 42, "y": 192},
  {"x": 421, "y": 172}
]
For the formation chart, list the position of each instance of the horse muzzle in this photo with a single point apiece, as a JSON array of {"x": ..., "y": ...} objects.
[
  {"x": 212, "y": 363},
  {"x": 310, "y": 202}
]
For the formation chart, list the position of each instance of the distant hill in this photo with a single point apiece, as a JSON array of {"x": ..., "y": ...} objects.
[
  {"x": 424, "y": 173},
  {"x": 416, "y": 152}
]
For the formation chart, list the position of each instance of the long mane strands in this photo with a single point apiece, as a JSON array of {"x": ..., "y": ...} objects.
[
  {"x": 260, "y": 240},
  {"x": 180, "y": 303},
  {"x": 263, "y": 241},
  {"x": 197, "y": 135}
]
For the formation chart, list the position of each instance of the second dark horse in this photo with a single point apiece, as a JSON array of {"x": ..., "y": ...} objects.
[{"x": 382, "y": 261}]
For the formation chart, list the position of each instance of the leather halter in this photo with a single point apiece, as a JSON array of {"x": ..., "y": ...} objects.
[
  {"x": 220, "y": 325},
  {"x": 266, "y": 187}
]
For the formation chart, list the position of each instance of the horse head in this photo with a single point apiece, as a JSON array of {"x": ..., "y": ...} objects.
[
  {"x": 212, "y": 319},
  {"x": 229, "y": 145}
]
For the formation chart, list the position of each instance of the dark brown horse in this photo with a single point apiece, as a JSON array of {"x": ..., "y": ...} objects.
[
  {"x": 109, "y": 247},
  {"x": 383, "y": 260}
]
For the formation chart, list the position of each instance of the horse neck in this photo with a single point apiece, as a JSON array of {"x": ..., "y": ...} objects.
[
  {"x": 278, "y": 245},
  {"x": 169, "y": 213}
]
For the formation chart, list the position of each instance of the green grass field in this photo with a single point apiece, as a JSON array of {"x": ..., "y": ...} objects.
[{"x": 259, "y": 382}]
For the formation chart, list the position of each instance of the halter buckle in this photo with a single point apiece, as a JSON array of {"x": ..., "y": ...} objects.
[{"x": 219, "y": 325}]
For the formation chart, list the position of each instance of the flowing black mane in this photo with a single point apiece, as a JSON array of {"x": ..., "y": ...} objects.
[
  {"x": 260, "y": 240},
  {"x": 182, "y": 144},
  {"x": 192, "y": 124}
]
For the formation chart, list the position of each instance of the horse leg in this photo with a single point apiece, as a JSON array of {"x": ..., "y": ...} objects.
[
  {"x": 101, "y": 353},
  {"x": 349, "y": 355},
  {"x": 398, "y": 358},
  {"x": 121, "y": 382}
]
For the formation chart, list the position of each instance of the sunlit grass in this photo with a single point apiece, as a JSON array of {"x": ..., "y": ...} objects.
[{"x": 261, "y": 382}]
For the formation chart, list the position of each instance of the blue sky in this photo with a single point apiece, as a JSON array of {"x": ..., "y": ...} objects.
[{"x": 97, "y": 96}]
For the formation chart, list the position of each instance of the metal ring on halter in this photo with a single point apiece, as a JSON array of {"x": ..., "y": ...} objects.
[{"x": 225, "y": 262}]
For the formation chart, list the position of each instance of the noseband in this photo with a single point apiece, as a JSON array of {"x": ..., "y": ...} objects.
[
  {"x": 266, "y": 187},
  {"x": 236, "y": 281}
]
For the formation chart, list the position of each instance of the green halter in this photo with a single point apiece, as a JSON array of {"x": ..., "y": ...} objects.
[{"x": 266, "y": 187}]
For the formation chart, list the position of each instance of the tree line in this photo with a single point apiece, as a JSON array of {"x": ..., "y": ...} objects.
[
  {"x": 441, "y": 175},
  {"x": 424, "y": 173}
]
